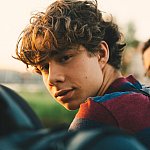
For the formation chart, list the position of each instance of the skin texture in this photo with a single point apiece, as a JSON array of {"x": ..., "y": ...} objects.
[
  {"x": 146, "y": 60},
  {"x": 75, "y": 75}
]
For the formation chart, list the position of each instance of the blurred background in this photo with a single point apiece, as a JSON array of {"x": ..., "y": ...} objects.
[{"x": 131, "y": 15}]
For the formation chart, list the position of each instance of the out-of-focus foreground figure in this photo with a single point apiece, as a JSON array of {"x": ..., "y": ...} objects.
[{"x": 146, "y": 57}]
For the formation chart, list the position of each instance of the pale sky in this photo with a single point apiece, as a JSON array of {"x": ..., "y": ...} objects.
[{"x": 15, "y": 15}]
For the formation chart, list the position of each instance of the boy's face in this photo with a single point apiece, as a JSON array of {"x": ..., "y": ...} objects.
[
  {"x": 72, "y": 77},
  {"x": 146, "y": 59}
]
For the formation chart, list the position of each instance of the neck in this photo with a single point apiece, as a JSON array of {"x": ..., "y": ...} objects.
[{"x": 110, "y": 74}]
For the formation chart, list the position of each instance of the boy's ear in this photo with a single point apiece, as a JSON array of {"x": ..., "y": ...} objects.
[{"x": 103, "y": 53}]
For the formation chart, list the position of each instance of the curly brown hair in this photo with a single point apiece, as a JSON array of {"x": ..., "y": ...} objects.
[{"x": 66, "y": 23}]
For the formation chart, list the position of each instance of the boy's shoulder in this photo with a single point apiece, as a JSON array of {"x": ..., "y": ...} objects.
[{"x": 126, "y": 95}]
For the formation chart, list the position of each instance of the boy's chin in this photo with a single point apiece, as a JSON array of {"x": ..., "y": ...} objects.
[{"x": 71, "y": 107}]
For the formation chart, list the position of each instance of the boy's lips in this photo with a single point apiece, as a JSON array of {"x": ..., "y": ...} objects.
[{"x": 64, "y": 94}]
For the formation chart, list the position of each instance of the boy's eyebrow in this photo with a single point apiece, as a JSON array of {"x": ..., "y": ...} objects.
[{"x": 53, "y": 53}]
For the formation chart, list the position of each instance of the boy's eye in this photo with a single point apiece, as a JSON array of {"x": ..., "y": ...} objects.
[{"x": 65, "y": 58}]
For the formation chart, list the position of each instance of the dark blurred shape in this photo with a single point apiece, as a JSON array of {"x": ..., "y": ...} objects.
[
  {"x": 20, "y": 129},
  {"x": 146, "y": 57},
  {"x": 15, "y": 113},
  {"x": 91, "y": 139},
  {"x": 104, "y": 139}
]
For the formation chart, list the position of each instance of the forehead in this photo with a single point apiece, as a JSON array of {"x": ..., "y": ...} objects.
[
  {"x": 146, "y": 58},
  {"x": 57, "y": 55},
  {"x": 146, "y": 54}
]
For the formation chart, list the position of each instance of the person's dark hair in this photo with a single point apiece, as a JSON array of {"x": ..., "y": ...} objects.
[
  {"x": 66, "y": 23},
  {"x": 146, "y": 46}
]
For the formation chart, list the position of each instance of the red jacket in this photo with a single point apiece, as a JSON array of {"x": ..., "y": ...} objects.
[{"x": 120, "y": 106}]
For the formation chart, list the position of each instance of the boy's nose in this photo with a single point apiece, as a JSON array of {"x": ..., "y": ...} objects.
[{"x": 56, "y": 74}]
